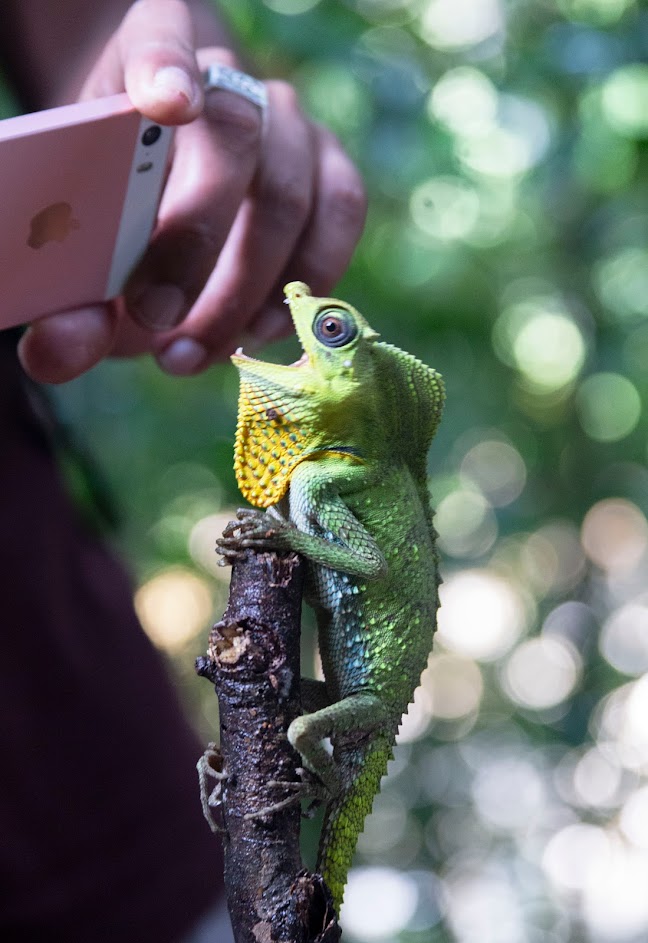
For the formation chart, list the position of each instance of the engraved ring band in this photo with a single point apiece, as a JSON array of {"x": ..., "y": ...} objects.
[{"x": 231, "y": 80}]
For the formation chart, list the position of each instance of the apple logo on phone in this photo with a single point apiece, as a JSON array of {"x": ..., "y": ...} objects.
[{"x": 52, "y": 224}]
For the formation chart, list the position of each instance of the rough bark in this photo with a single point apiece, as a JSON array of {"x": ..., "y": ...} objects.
[{"x": 253, "y": 661}]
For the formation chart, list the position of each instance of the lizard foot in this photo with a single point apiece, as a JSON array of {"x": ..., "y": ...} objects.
[
  {"x": 210, "y": 766},
  {"x": 253, "y": 529},
  {"x": 308, "y": 787}
]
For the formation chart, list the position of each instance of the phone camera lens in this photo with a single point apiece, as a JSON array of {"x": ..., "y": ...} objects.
[{"x": 151, "y": 135}]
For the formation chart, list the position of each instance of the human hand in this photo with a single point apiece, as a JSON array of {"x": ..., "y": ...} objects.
[{"x": 245, "y": 209}]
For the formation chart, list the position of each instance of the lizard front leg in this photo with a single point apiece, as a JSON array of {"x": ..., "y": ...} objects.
[{"x": 321, "y": 526}]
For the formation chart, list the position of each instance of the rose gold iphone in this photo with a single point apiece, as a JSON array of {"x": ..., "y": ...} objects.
[{"x": 79, "y": 192}]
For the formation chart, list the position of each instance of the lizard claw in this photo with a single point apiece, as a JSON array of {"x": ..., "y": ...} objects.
[
  {"x": 210, "y": 766},
  {"x": 246, "y": 513},
  {"x": 230, "y": 545},
  {"x": 242, "y": 514}
]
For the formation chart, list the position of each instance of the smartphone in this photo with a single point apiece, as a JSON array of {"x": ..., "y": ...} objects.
[{"x": 79, "y": 192}]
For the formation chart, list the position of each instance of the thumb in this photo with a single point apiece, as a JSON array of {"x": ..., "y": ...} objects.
[
  {"x": 60, "y": 347},
  {"x": 152, "y": 57}
]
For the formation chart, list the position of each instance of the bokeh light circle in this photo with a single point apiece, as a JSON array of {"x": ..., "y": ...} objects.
[
  {"x": 378, "y": 903},
  {"x": 481, "y": 615},
  {"x": 609, "y": 406},
  {"x": 542, "y": 672},
  {"x": 614, "y": 535}
]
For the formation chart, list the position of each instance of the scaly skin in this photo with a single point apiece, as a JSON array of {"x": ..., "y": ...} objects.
[{"x": 335, "y": 446}]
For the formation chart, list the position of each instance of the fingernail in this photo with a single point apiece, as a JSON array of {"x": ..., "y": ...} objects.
[
  {"x": 159, "y": 307},
  {"x": 172, "y": 81},
  {"x": 182, "y": 357}
]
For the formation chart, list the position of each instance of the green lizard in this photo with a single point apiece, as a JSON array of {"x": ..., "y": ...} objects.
[{"x": 335, "y": 447}]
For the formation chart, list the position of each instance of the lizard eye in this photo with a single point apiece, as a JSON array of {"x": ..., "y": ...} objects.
[{"x": 334, "y": 327}]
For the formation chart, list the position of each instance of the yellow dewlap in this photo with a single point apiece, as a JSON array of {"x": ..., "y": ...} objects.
[{"x": 269, "y": 444}]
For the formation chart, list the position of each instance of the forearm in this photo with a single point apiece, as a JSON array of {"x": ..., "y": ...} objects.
[{"x": 47, "y": 51}]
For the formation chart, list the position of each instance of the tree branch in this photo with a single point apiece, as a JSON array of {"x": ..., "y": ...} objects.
[{"x": 253, "y": 661}]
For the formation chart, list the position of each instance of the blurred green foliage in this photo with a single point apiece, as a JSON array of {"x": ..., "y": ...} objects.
[{"x": 503, "y": 143}]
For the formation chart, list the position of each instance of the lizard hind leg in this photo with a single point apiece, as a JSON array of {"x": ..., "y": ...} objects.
[
  {"x": 361, "y": 731},
  {"x": 314, "y": 696}
]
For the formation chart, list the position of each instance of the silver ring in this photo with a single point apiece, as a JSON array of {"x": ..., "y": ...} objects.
[{"x": 231, "y": 80}]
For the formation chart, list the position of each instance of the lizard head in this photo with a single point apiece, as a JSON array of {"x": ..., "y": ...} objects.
[
  {"x": 288, "y": 413},
  {"x": 332, "y": 335}
]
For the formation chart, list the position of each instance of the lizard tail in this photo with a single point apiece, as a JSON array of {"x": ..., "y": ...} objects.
[{"x": 344, "y": 818}]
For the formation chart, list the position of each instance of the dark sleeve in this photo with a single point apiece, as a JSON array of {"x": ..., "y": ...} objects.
[{"x": 102, "y": 833}]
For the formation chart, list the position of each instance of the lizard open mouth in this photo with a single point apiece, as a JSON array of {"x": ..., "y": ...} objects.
[{"x": 303, "y": 360}]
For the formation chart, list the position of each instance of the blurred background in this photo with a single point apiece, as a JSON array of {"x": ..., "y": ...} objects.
[{"x": 504, "y": 145}]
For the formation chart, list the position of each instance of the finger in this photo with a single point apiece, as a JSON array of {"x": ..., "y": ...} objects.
[
  {"x": 264, "y": 234},
  {"x": 215, "y": 160},
  {"x": 326, "y": 245},
  {"x": 271, "y": 324},
  {"x": 151, "y": 56},
  {"x": 63, "y": 346},
  {"x": 336, "y": 223}
]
